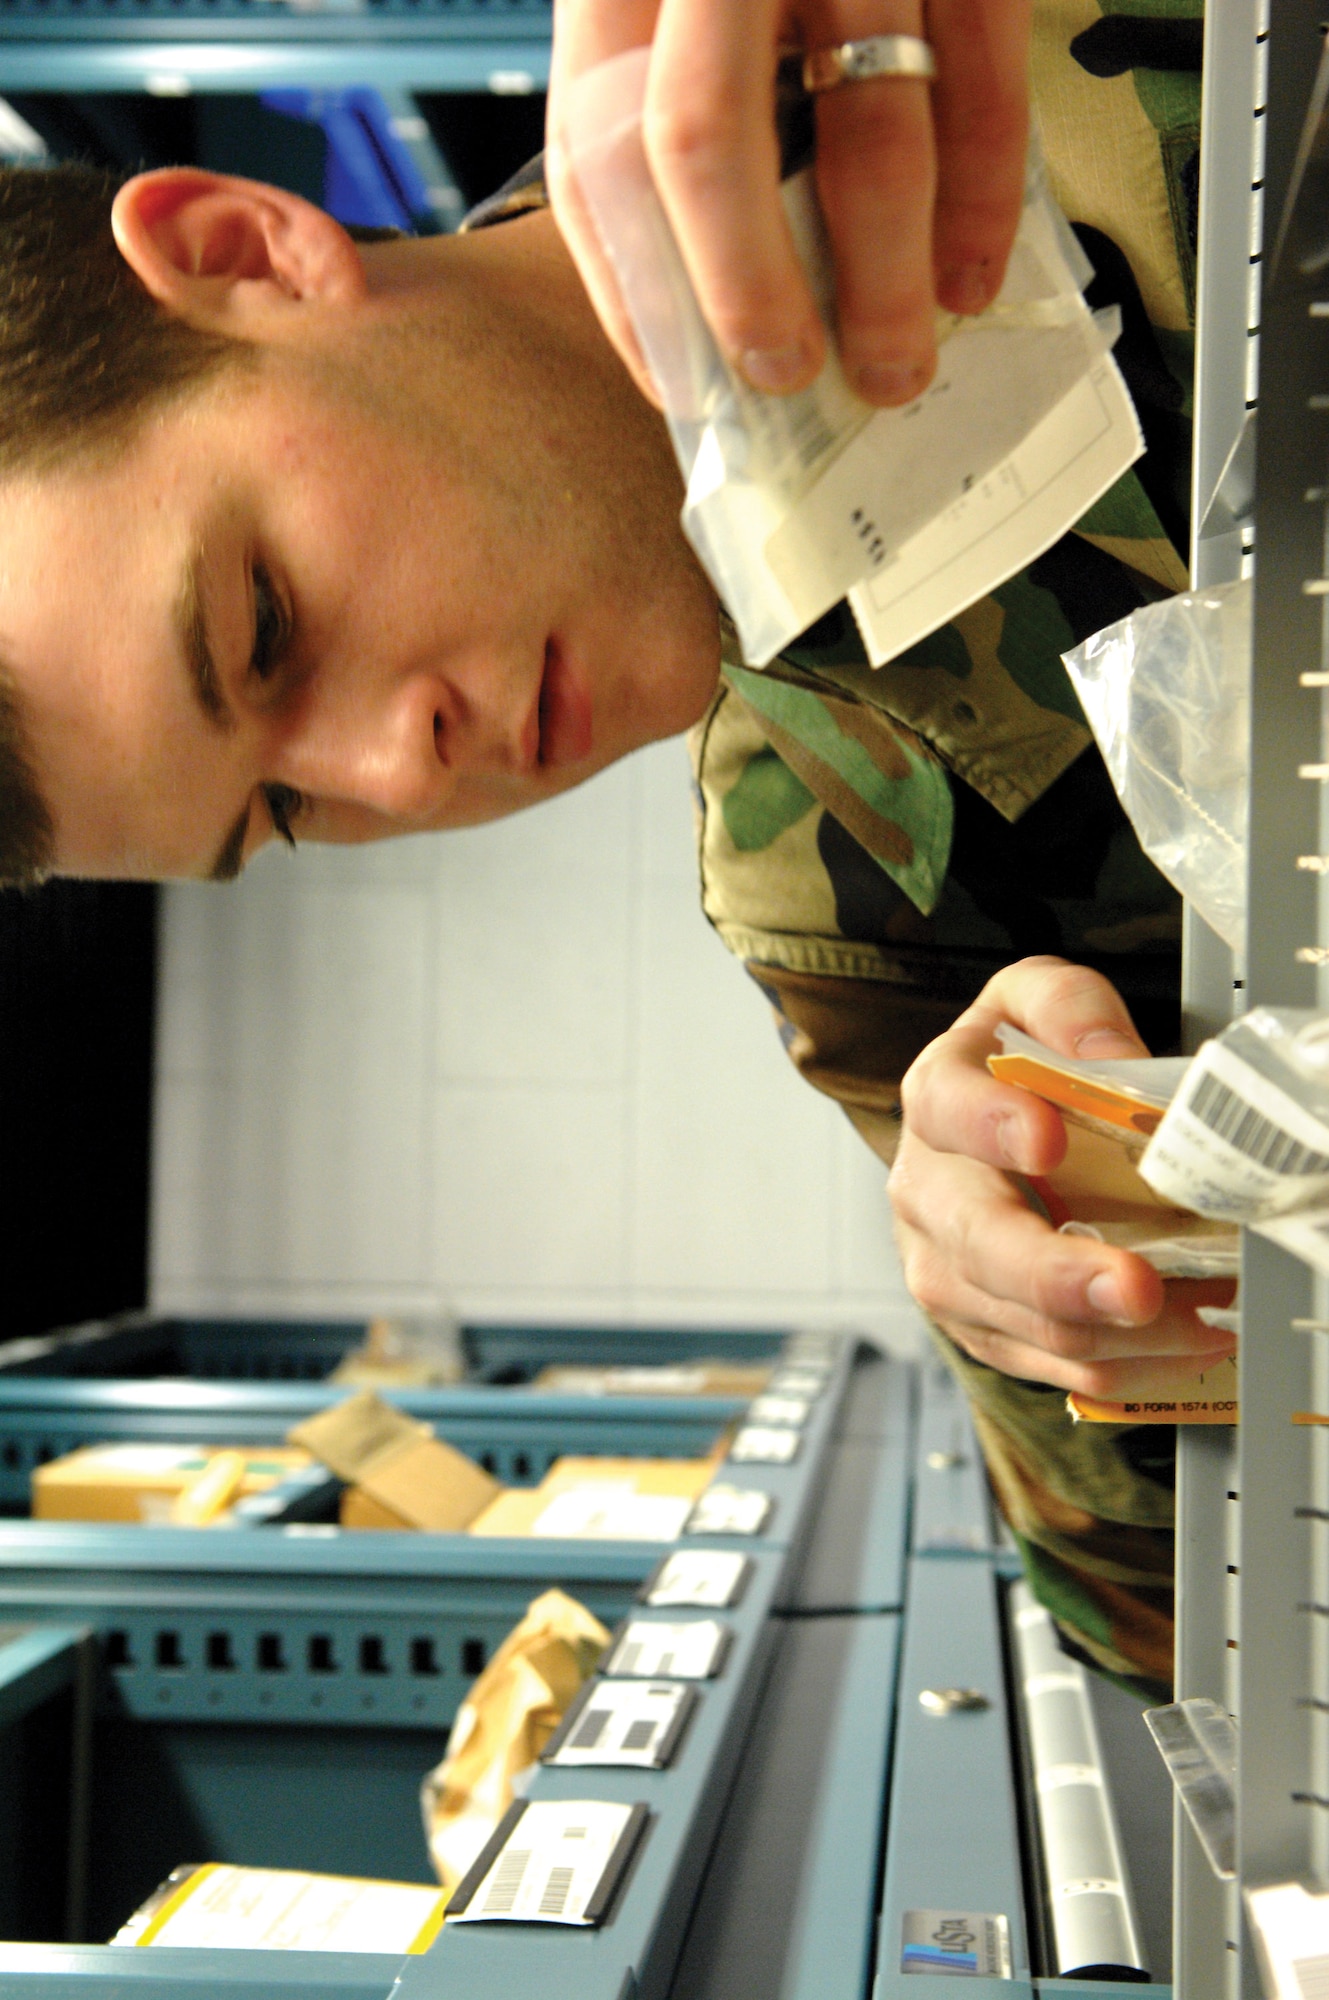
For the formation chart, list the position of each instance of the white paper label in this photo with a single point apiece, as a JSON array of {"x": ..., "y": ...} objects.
[
  {"x": 708, "y": 1578},
  {"x": 279, "y": 1909},
  {"x": 1002, "y": 518},
  {"x": 624, "y": 1722},
  {"x": 760, "y": 1444},
  {"x": 805, "y": 1382},
  {"x": 1235, "y": 1146},
  {"x": 551, "y": 1865},
  {"x": 772, "y": 1409},
  {"x": 1291, "y": 1929},
  {"x": 609, "y": 1510},
  {"x": 686, "y": 1649},
  {"x": 730, "y": 1510}
]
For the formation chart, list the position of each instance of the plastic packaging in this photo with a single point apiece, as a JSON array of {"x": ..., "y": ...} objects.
[
  {"x": 1167, "y": 695},
  {"x": 1198, "y": 1743},
  {"x": 782, "y": 539},
  {"x": 1246, "y": 1138}
]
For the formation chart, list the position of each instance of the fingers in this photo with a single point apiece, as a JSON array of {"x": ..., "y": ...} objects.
[
  {"x": 955, "y": 1106},
  {"x": 876, "y": 178},
  {"x": 710, "y": 139},
  {"x": 587, "y": 33},
  {"x": 1017, "y": 1296},
  {"x": 971, "y": 1222},
  {"x": 980, "y": 106}
]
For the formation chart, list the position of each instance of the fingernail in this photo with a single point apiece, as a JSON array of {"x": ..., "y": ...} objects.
[
  {"x": 1010, "y": 1139},
  {"x": 967, "y": 288},
  {"x": 1102, "y": 1044},
  {"x": 1104, "y": 1295},
  {"x": 890, "y": 382},
  {"x": 776, "y": 369}
]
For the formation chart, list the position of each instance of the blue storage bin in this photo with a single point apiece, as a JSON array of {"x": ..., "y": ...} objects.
[{"x": 247, "y": 1381}]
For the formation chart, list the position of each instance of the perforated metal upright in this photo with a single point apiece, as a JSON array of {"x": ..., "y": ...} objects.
[{"x": 1250, "y": 1603}]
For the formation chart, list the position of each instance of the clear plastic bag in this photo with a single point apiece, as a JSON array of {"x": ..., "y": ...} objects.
[
  {"x": 1167, "y": 694},
  {"x": 794, "y": 502}
]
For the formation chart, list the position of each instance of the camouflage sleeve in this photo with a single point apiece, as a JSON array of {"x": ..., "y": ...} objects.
[{"x": 1091, "y": 1507}]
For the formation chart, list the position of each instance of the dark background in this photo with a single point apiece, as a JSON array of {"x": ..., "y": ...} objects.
[{"x": 78, "y": 960}]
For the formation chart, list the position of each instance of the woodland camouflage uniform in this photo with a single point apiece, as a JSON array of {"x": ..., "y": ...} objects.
[{"x": 875, "y": 844}]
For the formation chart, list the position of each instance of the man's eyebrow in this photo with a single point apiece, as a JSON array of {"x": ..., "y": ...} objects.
[
  {"x": 192, "y": 626},
  {"x": 231, "y": 854}
]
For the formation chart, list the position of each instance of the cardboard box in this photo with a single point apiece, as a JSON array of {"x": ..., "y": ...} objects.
[
  {"x": 143, "y": 1482},
  {"x": 690, "y": 1378},
  {"x": 398, "y": 1474},
  {"x": 599, "y": 1499},
  {"x": 1110, "y": 1111}
]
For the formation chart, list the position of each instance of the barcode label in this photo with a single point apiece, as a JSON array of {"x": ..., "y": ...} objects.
[
  {"x": 689, "y": 1649},
  {"x": 710, "y": 1578},
  {"x": 505, "y": 1881},
  {"x": 592, "y": 1729},
  {"x": 557, "y": 1889},
  {"x": 1236, "y": 1146},
  {"x": 1248, "y": 1131},
  {"x": 558, "y": 1864},
  {"x": 629, "y": 1722}
]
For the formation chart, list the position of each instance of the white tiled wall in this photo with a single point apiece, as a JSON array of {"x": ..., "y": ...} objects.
[{"x": 511, "y": 1070}]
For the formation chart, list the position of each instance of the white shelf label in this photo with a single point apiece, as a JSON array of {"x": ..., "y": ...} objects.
[
  {"x": 552, "y": 1866},
  {"x": 685, "y": 1649},
  {"x": 761, "y": 1444},
  {"x": 710, "y": 1579},
  {"x": 636, "y": 1723},
  {"x": 770, "y": 1409},
  {"x": 730, "y": 1510}
]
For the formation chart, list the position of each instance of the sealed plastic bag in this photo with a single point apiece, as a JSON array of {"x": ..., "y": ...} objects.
[
  {"x": 794, "y": 502},
  {"x": 1167, "y": 694},
  {"x": 503, "y": 1725}
]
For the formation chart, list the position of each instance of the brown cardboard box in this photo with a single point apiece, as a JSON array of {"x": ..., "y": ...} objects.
[
  {"x": 519, "y": 1511},
  {"x": 142, "y": 1482},
  {"x": 398, "y": 1474},
  {"x": 685, "y": 1378}
]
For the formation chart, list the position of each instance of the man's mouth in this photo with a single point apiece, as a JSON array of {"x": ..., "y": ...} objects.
[{"x": 565, "y": 712}]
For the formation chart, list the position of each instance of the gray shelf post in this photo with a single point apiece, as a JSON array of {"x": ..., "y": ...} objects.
[{"x": 1250, "y": 1556}]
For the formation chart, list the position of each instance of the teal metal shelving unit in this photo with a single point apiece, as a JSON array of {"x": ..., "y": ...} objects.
[{"x": 811, "y": 1803}]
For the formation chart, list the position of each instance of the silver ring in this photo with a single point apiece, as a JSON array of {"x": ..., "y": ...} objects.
[{"x": 877, "y": 55}]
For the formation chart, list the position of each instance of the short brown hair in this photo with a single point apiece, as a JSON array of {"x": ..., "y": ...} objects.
[{"x": 85, "y": 353}]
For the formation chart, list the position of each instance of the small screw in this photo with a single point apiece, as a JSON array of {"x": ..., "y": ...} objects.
[
  {"x": 946, "y": 1461},
  {"x": 952, "y": 1701}
]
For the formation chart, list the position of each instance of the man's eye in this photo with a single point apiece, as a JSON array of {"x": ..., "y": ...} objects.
[
  {"x": 284, "y": 806},
  {"x": 269, "y": 626}
]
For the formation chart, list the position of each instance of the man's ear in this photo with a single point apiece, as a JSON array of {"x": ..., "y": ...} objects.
[{"x": 228, "y": 255}]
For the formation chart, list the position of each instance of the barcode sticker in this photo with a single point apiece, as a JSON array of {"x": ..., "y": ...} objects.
[
  {"x": 761, "y": 1444},
  {"x": 1234, "y": 1145},
  {"x": 552, "y": 1866},
  {"x": 730, "y": 1510},
  {"x": 710, "y": 1579},
  {"x": 686, "y": 1649},
  {"x": 806, "y": 1383},
  {"x": 772, "y": 1409},
  {"x": 1291, "y": 1929},
  {"x": 636, "y": 1723}
]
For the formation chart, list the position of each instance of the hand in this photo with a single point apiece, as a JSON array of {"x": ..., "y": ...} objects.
[
  {"x": 994, "y": 1275},
  {"x": 921, "y": 184}
]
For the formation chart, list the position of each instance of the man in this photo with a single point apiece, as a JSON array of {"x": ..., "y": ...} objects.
[{"x": 315, "y": 540}]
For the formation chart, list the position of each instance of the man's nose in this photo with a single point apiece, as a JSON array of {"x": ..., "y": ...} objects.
[{"x": 399, "y": 752}]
